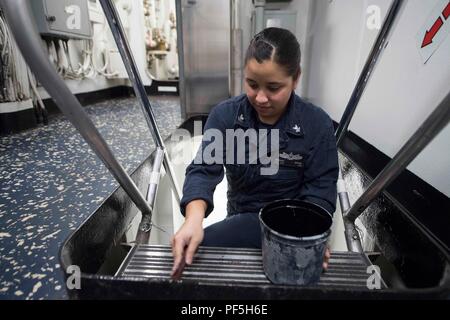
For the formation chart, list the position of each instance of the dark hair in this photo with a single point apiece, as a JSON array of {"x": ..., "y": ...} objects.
[{"x": 277, "y": 44}]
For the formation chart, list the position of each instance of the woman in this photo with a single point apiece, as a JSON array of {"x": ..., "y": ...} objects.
[{"x": 307, "y": 166}]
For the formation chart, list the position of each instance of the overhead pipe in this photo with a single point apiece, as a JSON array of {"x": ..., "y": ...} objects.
[
  {"x": 180, "y": 47},
  {"x": 236, "y": 59},
  {"x": 259, "y": 15}
]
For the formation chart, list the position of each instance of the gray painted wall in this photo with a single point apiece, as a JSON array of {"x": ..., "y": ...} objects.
[{"x": 402, "y": 91}]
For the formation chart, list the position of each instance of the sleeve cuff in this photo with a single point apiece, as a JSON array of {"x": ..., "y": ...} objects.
[{"x": 186, "y": 200}]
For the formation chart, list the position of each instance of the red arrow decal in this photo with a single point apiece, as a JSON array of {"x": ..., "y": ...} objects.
[
  {"x": 429, "y": 35},
  {"x": 446, "y": 11}
]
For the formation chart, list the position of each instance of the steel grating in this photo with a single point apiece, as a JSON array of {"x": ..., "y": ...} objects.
[{"x": 239, "y": 266}]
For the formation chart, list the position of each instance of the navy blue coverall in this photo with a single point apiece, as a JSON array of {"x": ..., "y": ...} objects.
[{"x": 308, "y": 169}]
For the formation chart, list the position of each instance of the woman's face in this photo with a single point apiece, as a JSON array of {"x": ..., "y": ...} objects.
[{"x": 268, "y": 89}]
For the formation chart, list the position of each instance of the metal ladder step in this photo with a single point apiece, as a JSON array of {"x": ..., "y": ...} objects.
[{"x": 237, "y": 266}]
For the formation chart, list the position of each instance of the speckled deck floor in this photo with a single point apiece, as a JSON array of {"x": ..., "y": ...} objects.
[{"x": 50, "y": 182}]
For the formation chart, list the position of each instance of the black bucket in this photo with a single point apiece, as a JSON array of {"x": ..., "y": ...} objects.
[{"x": 294, "y": 239}]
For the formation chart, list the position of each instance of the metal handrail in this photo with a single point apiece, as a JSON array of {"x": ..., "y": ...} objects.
[
  {"x": 418, "y": 141},
  {"x": 146, "y": 224},
  {"x": 435, "y": 122},
  {"x": 118, "y": 32},
  {"x": 352, "y": 238},
  {"x": 351, "y": 233},
  {"x": 364, "y": 77},
  {"x": 24, "y": 29}
]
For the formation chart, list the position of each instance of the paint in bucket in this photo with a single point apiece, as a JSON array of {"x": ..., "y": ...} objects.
[{"x": 294, "y": 239}]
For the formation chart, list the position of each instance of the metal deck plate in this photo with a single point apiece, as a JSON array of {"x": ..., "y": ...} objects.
[{"x": 240, "y": 266}]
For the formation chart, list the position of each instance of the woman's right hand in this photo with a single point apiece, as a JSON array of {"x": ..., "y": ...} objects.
[{"x": 187, "y": 239}]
